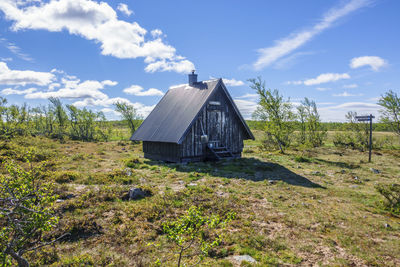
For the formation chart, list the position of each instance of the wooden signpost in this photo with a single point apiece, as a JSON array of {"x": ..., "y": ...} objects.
[{"x": 368, "y": 118}]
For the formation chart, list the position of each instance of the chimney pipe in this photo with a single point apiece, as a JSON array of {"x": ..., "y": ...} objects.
[{"x": 192, "y": 78}]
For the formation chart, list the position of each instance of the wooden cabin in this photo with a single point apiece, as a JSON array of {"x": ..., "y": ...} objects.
[{"x": 194, "y": 122}]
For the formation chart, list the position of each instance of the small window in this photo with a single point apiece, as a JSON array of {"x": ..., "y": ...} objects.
[{"x": 214, "y": 103}]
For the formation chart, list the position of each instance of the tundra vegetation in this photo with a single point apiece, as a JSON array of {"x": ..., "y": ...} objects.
[{"x": 66, "y": 173}]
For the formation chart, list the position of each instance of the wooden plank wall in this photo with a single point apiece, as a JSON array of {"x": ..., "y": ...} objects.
[
  {"x": 161, "y": 151},
  {"x": 231, "y": 129}
]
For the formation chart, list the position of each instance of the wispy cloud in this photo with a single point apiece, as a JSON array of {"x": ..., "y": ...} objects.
[
  {"x": 338, "y": 112},
  {"x": 374, "y": 62},
  {"x": 16, "y": 50},
  {"x": 346, "y": 94},
  {"x": 288, "y": 44},
  {"x": 350, "y": 86},
  {"x": 322, "y": 78},
  {"x": 322, "y": 89}
]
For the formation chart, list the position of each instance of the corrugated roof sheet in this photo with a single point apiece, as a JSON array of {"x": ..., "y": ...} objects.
[{"x": 175, "y": 112}]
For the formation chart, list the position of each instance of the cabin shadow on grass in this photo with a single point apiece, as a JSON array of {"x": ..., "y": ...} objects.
[{"x": 242, "y": 168}]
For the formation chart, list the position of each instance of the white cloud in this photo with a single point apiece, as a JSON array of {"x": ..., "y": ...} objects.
[
  {"x": 337, "y": 112},
  {"x": 322, "y": 89},
  {"x": 156, "y": 33},
  {"x": 346, "y": 94},
  {"x": 97, "y": 22},
  {"x": 322, "y": 78},
  {"x": 288, "y": 44},
  {"x": 11, "y": 91},
  {"x": 13, "y": 48},
  {"x": 350, "y": 86},
  {"x": 124, "y": 9},
  {"x": 24, "y": 77},
  {"x": 6, "y": 59},
  {"x": 374, "y": 62},
  {"x": 182, "y": 66},
  {"x": 137, "y": 90},
  {"x": 142, "y": 109},
  {"x": 246, "y": 107},
  {"x": 75, "y": 89},
  {"x": 233, "y": 82},
  {"x": 248, "y": 96}
]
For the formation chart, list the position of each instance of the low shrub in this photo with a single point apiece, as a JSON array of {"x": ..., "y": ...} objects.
[
  {"x": 391, "y": 193},
  {"x": 67, "y": 177}
]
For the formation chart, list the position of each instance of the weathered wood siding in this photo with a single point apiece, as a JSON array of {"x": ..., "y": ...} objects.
[
  {"x": 220, "y": 122},
  {"x": 161, "y": 151}
]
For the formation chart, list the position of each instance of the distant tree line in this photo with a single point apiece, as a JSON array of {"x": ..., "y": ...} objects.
[
  {"x": 60, "y": 121},
  {"x": 285, "y": 125}
]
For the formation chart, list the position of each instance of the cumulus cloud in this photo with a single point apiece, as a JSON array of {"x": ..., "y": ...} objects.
[
  {"x": 142, "y": 109},
  {"x": 374, "y": 62},
  {"x": 233, "y": 82},
  {"x": 124, "y": 9},
  {"x": 73, "y": 89},
  {"x": 182, "y": 66},
  {"x": 98, "y": 22},
  {"x": 285, "y": 46},
  {"x": 323, "y": 78},
  {"x": 137, "y": 90},
  {"x": 11, "y": 91},
  {"x": 23, "y": 77}
]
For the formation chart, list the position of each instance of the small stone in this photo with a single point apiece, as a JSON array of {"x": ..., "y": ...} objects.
[
  {"x": 59, "y": 200},
  {"x": 343, "y": 171},
  {"x": 375, "y": 171},
  {"x": 356, "y": 178},
  {"x": 387, "y": 225},
  {"x": 137, "y": 193},
  {"x": 316, "y": 173},
  {"x": 128, "y": 172},
  {"x": 240, "y": 258},
  {"x": 192, "y": 184},
  {"x": 353, "y": 186},
  {"x": 299, "y": 167},
  {"x": 271, "y": 181}
]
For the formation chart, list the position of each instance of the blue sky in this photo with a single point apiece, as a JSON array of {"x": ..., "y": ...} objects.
[{"x": 342, "y": 54}]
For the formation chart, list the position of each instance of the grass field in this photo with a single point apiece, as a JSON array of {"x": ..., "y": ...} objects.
[{"x": 309, "y": 207}]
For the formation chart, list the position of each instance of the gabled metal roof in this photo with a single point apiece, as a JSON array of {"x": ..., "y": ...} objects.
[{"x": 174, "y": 114}]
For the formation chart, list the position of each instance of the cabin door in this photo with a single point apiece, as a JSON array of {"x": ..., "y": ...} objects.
[{"x": 214, "y": 122}]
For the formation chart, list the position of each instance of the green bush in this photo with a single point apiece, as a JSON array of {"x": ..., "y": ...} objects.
[
  {"x": 391, "y": 193},
  {"x": 67, "y": 177}
]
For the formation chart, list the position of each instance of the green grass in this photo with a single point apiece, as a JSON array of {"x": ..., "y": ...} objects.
[{"x": 301, "y": 208}]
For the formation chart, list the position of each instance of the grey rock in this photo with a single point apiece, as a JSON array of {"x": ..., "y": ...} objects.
[
  {"x": 192, "y": 184},
  {"x": 128, "y": 172},
  {"x": 240, "y": 258},
  {"x": 375, "y": 170},
  {"x": 60, "y": 200},
  {"x": 271, "y": 181},
  {"x": 137, "y": 193},
  {"x": 316, "y": 173},
  {"x": 387, "y": 225}
]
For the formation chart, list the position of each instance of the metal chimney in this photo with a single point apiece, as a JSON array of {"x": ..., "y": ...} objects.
[{"x": 192, "y": 78}]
